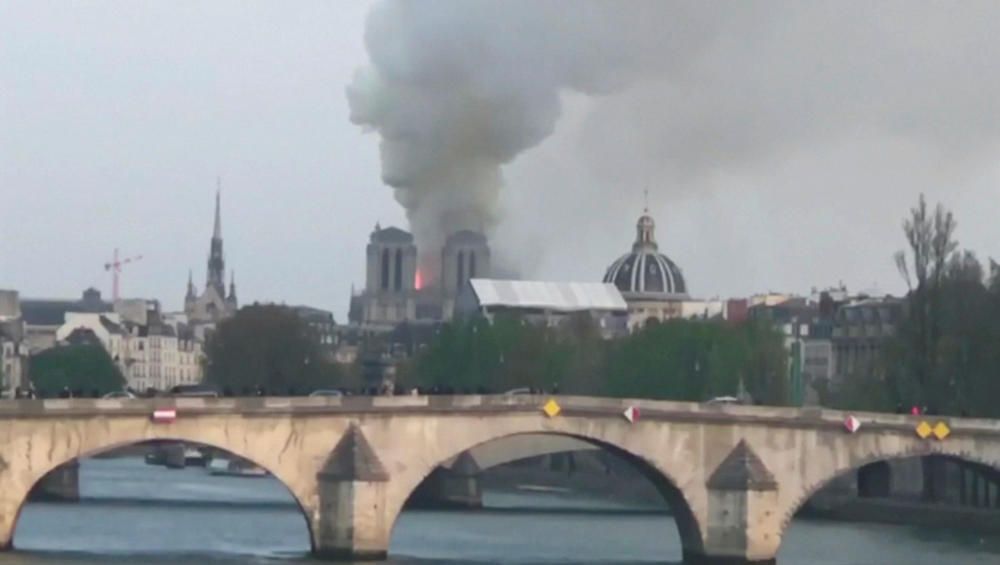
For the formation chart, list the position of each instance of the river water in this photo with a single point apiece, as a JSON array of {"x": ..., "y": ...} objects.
[{"x": 137, "y": 514}]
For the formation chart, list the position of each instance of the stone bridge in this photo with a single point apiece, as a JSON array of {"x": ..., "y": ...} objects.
[{"x": 734, "y": 476}]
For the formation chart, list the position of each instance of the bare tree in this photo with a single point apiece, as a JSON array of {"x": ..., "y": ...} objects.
[{"x": 930, "y": 238}]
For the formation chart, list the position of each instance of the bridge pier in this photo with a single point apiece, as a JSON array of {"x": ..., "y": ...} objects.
[
  {"x": 456, "y": 487},
  {"x": 351, "y": 521},
  {"x": 742, "y": 527}
]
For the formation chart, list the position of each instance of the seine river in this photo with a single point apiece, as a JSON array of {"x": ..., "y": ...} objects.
[{"x": 136, "y": 514}]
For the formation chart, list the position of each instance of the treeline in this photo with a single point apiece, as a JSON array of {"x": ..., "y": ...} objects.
[
  {"x": 267, "y": 348},
  {"x": 73, "y": 370},
  {"x": 945, "y": 356},
  {"x": 678, "y": 359}
]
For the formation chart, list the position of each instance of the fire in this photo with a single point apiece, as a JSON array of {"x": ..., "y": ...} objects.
[{"x": 418, "y": 280}]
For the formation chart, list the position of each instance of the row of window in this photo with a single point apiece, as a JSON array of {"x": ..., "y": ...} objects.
[{"x": 155, "y": 371}]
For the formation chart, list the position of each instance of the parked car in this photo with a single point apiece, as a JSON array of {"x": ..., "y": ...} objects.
[
  {"x": 725, "y": 400},
  {"x": 326, "y": 392},
  {"x": 119, "y": 394}
]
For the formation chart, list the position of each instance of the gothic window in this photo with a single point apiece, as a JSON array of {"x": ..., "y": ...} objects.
[
  {"x": 460, "y": 272},
  {"x": 398, "y": 282},
  {"x": 385, "y": 269},
  {"x": 472, "y": 265}
]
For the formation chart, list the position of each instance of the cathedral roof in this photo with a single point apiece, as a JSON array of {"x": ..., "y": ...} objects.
[{"x": 645, "y": 272}]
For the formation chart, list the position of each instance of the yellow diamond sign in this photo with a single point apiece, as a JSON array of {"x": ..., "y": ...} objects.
[
  {"x": 924, "y": 430},
  {"x": 551, "y": 408},
  {"x": 941, "y": 430}
]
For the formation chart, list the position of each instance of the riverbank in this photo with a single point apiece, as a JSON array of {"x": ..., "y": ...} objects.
[
  {"x": 611, "y": 480},
  {"x": 902, "y": 513}
]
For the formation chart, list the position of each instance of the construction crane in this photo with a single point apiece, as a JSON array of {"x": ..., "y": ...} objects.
[{"x": 115, "y": 266}]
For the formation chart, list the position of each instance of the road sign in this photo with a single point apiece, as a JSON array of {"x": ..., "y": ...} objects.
[
  {"x": 551, "y": 408},
  {"x": 941, "y": 430},
  {"x": 631, "y": 414},
  {"x": 165, "y": 415},
  {"x": 924, "y": 430},
  {"x": 852, "y": 424}
]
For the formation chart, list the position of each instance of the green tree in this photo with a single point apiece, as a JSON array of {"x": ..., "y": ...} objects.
[
  {"x": 272, "y": 347},
  {"x": 87, "y": 368},
  {"x": 697, "y": 360},
  {"x": 586, "y": 373},
  {"x": 499, "y": 355}
]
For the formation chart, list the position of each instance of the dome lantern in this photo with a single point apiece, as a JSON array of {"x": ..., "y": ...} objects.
[{"x": 645, "y": 273}]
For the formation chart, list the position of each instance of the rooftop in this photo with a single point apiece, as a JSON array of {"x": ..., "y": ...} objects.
[{"x": 557, "y": 296}]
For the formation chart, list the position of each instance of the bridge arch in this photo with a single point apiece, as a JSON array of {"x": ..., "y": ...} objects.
[
  {"x": 663, "y": 479},
  {"x": 21, "y": 481},
  {"x": 960, "y": 450}
]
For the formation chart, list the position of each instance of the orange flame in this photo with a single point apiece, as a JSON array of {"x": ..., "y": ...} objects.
[{"x": 418, "y": 280}]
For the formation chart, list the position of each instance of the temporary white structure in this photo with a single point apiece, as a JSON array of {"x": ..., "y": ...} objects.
[{"x": 548, "y": 296}]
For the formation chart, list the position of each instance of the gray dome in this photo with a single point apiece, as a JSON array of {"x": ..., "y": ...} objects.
[{"x": 645, "y": 270}]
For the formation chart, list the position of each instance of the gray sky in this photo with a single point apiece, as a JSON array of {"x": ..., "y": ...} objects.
[{"x": 781, "y": 144}]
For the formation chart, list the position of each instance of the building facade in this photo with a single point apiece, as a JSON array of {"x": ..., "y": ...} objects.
[
  {"x": 13, "y": 348},
  {"x": 322, "y": 325},
  {"x": 153, "y": 355},
  {"x": 42, "y": 317},
  {"x": 861, "y": 329}
]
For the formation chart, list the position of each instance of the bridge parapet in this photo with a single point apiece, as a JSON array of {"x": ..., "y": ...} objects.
[{"x": 576, "y": 406}]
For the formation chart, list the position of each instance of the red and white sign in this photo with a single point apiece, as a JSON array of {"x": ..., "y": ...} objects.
[
  {"x": 165, "y": 415},
  {"x": 852, "y": 424},
  {"x": 631, "y": 414}
]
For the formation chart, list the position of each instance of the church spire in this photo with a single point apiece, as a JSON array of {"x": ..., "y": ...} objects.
[
  {"x": 232, "y": 288},
  {"x": 216, "y": 260},
  {"x": 190, "y": 289},
  {"x": 217, "y": 230}
]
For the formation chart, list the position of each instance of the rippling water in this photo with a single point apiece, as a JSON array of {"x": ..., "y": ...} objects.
[{"x": 136, "y": 514}]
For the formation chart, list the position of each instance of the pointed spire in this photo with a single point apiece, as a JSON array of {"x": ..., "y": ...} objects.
[
  {"x": 216, "y": 259},
  {"x": 232, "y": 286},
  {"x": 190, "y": 288},
  {"x": 217, "y": 230},
  {"x": 645, "y": 197}
]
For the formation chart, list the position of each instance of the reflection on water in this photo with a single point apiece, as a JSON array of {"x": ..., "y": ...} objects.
[{"x": 198, "y": 518}]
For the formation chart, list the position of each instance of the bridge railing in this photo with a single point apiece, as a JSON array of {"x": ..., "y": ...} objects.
[{"x": 570, "y": 406}]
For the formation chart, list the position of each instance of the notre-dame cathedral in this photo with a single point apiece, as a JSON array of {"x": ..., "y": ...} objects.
[{"x": 396, "y": 291}]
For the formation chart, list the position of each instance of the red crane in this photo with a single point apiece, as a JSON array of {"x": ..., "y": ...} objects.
[{"x": 115, "y": 266}]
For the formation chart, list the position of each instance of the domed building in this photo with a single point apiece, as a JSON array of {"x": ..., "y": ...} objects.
[{"x": 652, "y": 285}]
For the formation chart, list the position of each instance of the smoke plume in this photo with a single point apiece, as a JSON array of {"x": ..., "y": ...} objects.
[
  {"x": 686, "y": 94},
  {"x": 458, "y": 89}
]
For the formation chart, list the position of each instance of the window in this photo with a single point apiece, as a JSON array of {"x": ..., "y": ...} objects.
[
  {"x": 398, "y": 274},
  {"x": 460, "y": 271},
  {"x": 385, "y": 269}
]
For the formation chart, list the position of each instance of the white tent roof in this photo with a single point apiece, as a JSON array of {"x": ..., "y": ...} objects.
[{"x": 558, "y": 296}]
